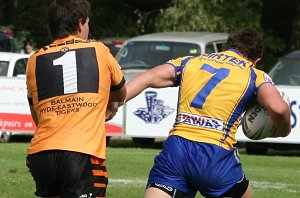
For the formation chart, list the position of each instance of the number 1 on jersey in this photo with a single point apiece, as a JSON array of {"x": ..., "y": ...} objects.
[
  {"x": 219, "y": 75},
  {"x": 68, "y": 63}
]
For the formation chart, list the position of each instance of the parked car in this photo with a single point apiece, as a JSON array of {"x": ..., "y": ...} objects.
[
  {"x": 13, "y": 64},
  {"x": 7, "y": 43},
  {"x": 287, "y": 70},
  {"x": 114, "y": 43},
  {"x": 14, "y": 119},
  {"x": 149, "y": 50}
]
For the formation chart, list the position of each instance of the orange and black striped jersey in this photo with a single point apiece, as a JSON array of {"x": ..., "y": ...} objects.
[
  {"x": 69, "y": 82},
  {"x": 214, "y": 91}
]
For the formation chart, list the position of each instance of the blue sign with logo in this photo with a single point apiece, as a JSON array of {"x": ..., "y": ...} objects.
[{"x": 155, "y": 111}]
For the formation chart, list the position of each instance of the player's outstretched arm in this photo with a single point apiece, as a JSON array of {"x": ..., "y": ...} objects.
[
  {"x": 158, "y": 77},
  {"x": 269, "y": 97}
]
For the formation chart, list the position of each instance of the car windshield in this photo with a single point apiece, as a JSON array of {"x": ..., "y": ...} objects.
[
  {"x": 3, "y": 68},
  {"x": 146, "y": 55},
  {"x": 286, "y": 72}
]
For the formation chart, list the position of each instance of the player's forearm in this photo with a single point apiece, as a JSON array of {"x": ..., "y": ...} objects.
[
  {"x": 158, "y": 77},
  {"x": 282, "y": 122},
  {"x": 135, "y": 87}
]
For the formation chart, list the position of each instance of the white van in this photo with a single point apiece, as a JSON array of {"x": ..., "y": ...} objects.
[
  {"x": 15, "y": 118},
  {"x": 13, "y": 64}
]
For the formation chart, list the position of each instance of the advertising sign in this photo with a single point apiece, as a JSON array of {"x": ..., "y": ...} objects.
[
  {"x": 14, "y": 109},
  {"x": 152, "y": 113}
]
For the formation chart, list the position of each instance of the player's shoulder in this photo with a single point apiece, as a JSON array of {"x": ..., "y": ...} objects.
[
  {"x": 258, "y": 71},
  {"x": 180, "y": 61},
  {"x": 98, "y": 45},
  {"x": 92, "y": 42},
  {"x": 263, "y": 75}
]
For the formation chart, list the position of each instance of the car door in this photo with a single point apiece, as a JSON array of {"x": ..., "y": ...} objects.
[{"x": 17, "y": 66}]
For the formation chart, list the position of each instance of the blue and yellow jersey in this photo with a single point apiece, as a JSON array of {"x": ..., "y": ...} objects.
[{"x": 214, "y": 91}]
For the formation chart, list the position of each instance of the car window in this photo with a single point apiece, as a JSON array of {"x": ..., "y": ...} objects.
[
  {"x": 209, "y": 48},
  {"x": 286, "y": 72},
  {"x": 20, "y": 67},
  {"x": 3, "y": 68},
  {"x": 147, "y": 54},
  {"x": 215, "y": 47},
  {"x": 220, "y": 45}
]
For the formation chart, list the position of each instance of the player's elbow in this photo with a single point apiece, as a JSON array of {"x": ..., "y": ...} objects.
[
  {"x": 283, "y": 133},
  {"x": 279, "y": 110},
  {"x": 283, "y": 122}
]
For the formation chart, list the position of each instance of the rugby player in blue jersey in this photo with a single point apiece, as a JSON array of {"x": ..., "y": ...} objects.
[{"x": 214, "y": 90}]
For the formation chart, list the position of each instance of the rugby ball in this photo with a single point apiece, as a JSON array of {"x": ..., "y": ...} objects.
[{"x": 256, "y": 122}]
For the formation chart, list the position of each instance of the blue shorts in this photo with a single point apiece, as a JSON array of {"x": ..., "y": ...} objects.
[{"x": 194, "y": 166}]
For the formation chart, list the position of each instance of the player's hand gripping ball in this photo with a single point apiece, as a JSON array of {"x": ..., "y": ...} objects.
[{"x": 257, "y": 123}]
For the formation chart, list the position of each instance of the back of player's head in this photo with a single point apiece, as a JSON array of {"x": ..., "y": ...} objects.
[
  {"x": 248, "y": 42},
  {"x": 64, "y": 16}
]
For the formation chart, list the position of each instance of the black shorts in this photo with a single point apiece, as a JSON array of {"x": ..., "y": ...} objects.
[{"x": 67, "y": 174}]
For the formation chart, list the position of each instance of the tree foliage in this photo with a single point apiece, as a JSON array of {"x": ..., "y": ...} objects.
[
  {"x": 112, "y": 18},
  {"x": 28, "y": 19},
  {"x": 214, "y": 15}
]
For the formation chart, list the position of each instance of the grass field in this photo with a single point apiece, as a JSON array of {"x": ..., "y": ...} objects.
[{"x": 275, "y": 175}]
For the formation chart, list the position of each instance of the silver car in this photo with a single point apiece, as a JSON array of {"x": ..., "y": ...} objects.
[
  {"x": 147, "y": 51},
  {"x": 150, "y": 50},
  {"x": 287, "y": 70}
]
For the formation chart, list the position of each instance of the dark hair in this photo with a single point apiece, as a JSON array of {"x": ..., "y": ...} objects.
[
  {"x": 247, "y": 42},
  {"x": 64, "y": 16},
  {"x": 28, "y": 42}
]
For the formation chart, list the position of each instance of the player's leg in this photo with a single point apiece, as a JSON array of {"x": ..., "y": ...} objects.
[
  {"x": 42, "y": 167},
  {"x": 82, "y": 175},
  {"x": 163, "y": 191},
  {"x": 167, "y": 176},
  {"x": 248, "y": 193},
  {"x": 155, "y": 193},
  {"x": 240, "y": 189}
]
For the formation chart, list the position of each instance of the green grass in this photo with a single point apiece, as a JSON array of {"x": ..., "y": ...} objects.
[{"x": 274, "y": 175}]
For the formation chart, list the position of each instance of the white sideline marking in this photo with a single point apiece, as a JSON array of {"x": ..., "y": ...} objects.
[
  {"x": 270, "y": 185},
  {"x": 128, "y": 181},
  {"x": 262, "y": 184},
  {"x": 255, "y": 184}
]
